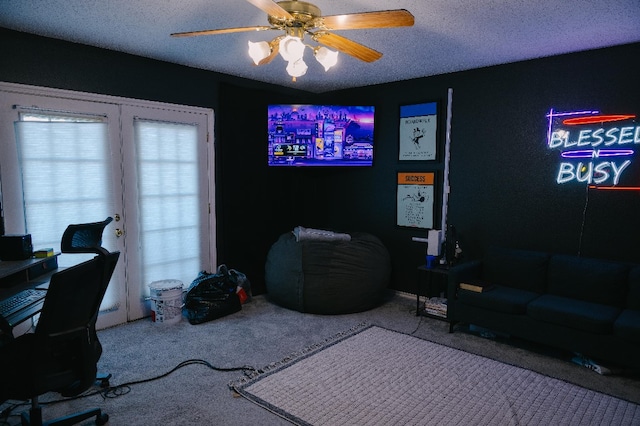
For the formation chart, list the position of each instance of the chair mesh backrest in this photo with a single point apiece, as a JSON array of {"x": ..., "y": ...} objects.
[
  {"x": 84, "y": 238},
  {"x": 71, "y": 298},
  {"x": 75, "y": 295}
]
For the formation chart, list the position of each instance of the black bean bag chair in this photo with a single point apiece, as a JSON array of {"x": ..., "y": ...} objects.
[{"x": 328, "y": 277}]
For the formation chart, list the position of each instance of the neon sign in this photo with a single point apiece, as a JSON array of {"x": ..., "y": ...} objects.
[{"x": 595, "y": 149}]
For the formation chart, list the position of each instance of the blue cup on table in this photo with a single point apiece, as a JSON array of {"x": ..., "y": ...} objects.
[{"x": 431, "y": 261}]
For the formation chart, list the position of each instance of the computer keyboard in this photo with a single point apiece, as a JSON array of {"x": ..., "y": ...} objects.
[{"x": 21, "y": 300}]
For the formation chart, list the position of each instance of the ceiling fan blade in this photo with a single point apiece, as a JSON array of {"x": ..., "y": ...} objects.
[
  {"x": 271, "y": 8},
  {"x": 222, "y": 31},
  {"x": 353, "y": 21},
  {"x": 347, "y": 46},
  {"x": 275, "y": 49}
]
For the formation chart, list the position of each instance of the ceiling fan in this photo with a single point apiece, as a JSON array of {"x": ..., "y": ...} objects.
[{"x": 297, "y": 18}]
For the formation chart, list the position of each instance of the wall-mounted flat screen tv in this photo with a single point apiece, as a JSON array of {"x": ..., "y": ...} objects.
[{"x": 320, "y": 135}]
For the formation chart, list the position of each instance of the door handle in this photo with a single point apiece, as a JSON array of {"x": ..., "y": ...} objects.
[
  {"x": 116, "y": 217},
  {"x": 119, "y": 232}
]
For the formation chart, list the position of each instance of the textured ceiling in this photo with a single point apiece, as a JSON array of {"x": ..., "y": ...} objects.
[{"x": 448, "y": 35}]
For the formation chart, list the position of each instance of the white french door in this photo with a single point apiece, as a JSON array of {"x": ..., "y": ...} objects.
[
  {"x": 69, "y": 157},
  {"x": 53, "y": 174},
  {"x": 165, "y": 152}
]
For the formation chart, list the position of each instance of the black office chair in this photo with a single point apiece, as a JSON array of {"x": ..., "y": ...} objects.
[{"x": 63, "y": 352}]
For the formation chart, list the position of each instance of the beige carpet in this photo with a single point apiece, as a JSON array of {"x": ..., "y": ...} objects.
[
  {"x": 375, "y": 376},
  {"x": 258, "y": 335}
]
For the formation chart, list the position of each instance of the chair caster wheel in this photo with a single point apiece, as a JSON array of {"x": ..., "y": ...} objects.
[
  {"x": 102, "y": 419},
  {"x": 103, "y": 380}
]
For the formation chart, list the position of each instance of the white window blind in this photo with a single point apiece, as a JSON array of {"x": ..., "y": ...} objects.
[
  {"x": 168, "y": 198},
  {"x": 65, "y": 176},
  {"x": 65, "y": 170}
]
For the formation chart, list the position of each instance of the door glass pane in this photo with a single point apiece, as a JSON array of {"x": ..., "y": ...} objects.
[
  {"x": 65, "y": 168},
  {"x": 168, "y": 198}
]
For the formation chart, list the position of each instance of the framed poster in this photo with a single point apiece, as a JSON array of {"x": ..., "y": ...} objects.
[
  {"x": 415, "y": 199},
  {"x": 418, "y": 126}
]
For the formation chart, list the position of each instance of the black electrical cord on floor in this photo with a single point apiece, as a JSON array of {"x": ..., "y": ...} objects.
[
  {"x": 419, "y": 324},
  {"x": 125, "y": 388}
]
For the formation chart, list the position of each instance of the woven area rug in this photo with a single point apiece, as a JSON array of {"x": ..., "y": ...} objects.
[{"x": 374, "y": 376}]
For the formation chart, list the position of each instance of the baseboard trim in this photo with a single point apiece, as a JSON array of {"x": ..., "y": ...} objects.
[{"x": 405, "y": 295}]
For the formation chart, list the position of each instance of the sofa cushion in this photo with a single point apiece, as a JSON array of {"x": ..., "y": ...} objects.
[
  {"x": 591, "y": 280},
  {"x": 499, "y": 298},
  {"x": 628, "y": 325},
  {"x": 578, "y": 314},
  {"x": 633, "y": 296},
  {"x": 525, "y": 270}
]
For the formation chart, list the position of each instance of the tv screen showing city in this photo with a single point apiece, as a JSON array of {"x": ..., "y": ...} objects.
[{"x": 320, "y": 135}]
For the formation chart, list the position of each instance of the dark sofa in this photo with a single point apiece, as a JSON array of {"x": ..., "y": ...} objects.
[{"x": 583, "y": 305}]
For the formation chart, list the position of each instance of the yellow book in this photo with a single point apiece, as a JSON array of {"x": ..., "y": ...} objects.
[
  {"x": 477, "y": 287},
  {"x": 47, "y": 252}
]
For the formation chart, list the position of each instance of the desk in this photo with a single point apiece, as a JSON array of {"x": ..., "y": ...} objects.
[
  {"x": 18, "y": 275},
  {"x": 427, "y": 275}
]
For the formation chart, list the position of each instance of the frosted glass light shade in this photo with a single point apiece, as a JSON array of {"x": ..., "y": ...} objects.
[
  {"x": 258, "y": 51},
  {"x": 297, "y": 68},
  {"x": 326, "y": 57},
  {"x": 291, "y": 48}
]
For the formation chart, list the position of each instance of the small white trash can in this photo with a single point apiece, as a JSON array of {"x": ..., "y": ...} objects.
[{"x": 166, "y": 301}]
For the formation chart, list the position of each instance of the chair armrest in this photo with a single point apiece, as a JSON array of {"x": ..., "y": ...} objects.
[{"x": 457, "y": 274}]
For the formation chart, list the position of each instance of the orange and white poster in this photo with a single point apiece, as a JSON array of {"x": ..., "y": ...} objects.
[{"x": 415, "y": 199}]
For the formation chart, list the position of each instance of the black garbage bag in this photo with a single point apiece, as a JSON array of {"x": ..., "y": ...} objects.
[{"x": 211, "y": 296}]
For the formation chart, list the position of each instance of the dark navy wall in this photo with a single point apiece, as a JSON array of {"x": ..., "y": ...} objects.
[
  {"x": 502, "y": 177},
  {"x": 41, "y": 61}
]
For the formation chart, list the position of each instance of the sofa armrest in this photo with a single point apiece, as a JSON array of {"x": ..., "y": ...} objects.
[{"x": 459, "y": 273}]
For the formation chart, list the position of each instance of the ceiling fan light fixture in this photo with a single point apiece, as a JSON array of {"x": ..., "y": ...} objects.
[
  {"x": 291, "y": 48},
  {"x": 326, "y": 57},
  {"x": 297, "y": 18},
  {"x": 258, "y": 51}
]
